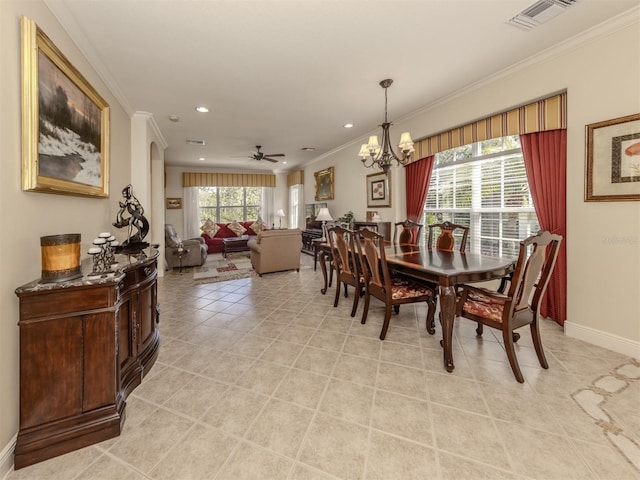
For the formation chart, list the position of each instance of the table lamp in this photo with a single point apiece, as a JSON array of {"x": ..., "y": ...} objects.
[
  {"x": 324, "y": 216},
  {"x": 280, "y": 214}
]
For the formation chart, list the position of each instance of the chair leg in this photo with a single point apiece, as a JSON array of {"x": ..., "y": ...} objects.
[
  {"x": 480, "y": 329},
  {"x": 387, "y": 318},
  {"x": 337, "y": 297},
  {"x": 537, "y": 344},
  {"x": 431, "y": 313},
  {"x": 345, "y": 291},
  {"x": 365, "y": 311},
  {"x": 396, "y": 309},
  {"x": 511, "y": 354},
  {"x": 356, "y": 297}
]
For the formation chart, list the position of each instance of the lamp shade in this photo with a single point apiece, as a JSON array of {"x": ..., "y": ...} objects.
[
  {"x": 280, "y": 213},
  {"x": 324, "y": 215}
]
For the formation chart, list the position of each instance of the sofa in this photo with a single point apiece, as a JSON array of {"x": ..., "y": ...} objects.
[
  {"x": 195, "y": 256},
  {"x": 213, "y": 233},
  {"x": 276, "y": 250}
]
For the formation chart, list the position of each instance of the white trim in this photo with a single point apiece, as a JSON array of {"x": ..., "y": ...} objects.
[
  {"x": 6, "y": 457},
  {"x": 603, "y": 339}
]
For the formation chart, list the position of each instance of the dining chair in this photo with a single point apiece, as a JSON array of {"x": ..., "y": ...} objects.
[
  {"x": 345, "y": 264},
  {"x": 519, "y": 305},
  {"x": 446, "y": 236},
  {"x": 407, "y": 231},
  {"x": 393, "y": 290}
]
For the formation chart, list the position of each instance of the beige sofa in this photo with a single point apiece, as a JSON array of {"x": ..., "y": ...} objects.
[{"x": 276, "y": 250}]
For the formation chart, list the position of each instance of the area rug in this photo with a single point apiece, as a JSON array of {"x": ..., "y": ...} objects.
[{"x": 218, "y": 269}]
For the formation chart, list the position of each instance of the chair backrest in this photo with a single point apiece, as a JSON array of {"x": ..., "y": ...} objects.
[
  {"x": 171, "y": 237},
  {"x": 407, "y": 231},
  {"x": 375, "y": 270},
  {"x": 342, "y": 245},
  {"x": 536, "y": 260},
  {"x": 446, "y": 240}
]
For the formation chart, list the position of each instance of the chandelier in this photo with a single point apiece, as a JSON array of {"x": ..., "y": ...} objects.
[{"x": 373, "y": 155}]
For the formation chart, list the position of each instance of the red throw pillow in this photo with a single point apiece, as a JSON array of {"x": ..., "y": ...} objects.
[
  {"x": 224, "y": 231},
  {"x": 249, "y": 231}
]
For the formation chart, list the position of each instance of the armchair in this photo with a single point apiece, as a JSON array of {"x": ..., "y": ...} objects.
[
  {"x": 197, "y": 248},
  {"x": 276, "y": 250}
]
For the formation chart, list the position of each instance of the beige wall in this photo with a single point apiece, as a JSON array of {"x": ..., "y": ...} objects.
[
  {"x": 602, "y": 78},
  {"x": 27, "y": 216}
]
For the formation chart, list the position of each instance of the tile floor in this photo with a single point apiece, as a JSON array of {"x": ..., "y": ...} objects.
[{"x": 263, "y": 378}]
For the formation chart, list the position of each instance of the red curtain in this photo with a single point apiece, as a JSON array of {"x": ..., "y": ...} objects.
[
  {"x": 417, "y": 178},
  {"x": 545, "y": 158}
]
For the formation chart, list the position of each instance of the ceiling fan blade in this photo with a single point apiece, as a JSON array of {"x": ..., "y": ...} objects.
[
  {"x": 274, "y": 155},
  {"x": 273, "y": 160}
]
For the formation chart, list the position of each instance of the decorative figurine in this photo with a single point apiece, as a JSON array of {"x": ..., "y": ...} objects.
[{"x": 131, "y": 216}]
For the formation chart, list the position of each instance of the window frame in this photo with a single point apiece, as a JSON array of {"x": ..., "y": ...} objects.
[{"x": 479, "y": 242}]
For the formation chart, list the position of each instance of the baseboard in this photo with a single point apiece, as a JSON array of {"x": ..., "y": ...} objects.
[
  {"x": 6, "y": 457},
  {"x": 603, "y": 339}
]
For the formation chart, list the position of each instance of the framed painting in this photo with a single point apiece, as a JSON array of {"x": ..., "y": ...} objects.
[
  {"x": 174, "y": 203},
  {"x": 324, "y": 184},
  {"x": 613, "y": 160},
  {"x": 65, "y": 122},
  {"x": 378, "y": 190}
]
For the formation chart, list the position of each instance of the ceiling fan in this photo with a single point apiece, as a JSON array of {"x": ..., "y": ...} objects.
[{"x": 258, "y": 155}]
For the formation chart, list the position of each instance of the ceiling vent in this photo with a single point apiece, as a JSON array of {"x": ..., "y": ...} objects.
[
  {"x": 540, "y": 12},
  {"x": 193, "y": 141}
]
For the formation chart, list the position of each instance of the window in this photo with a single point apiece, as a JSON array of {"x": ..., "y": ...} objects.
[
  {"x": 484, "y": 186},
  {"x": 294, "y": 205},
  {"x": 226, "y": 204}
]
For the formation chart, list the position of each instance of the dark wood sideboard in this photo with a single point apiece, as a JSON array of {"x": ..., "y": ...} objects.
[
  {"x": 85, "y": 345},
  {"x": 308, "y": 236},
  {"x": 383, "y": 228}
]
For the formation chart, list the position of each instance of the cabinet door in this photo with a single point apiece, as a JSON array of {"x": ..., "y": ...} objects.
[
  {"x": 147, "y": 315},
  {"x": 127, "y": 335}
]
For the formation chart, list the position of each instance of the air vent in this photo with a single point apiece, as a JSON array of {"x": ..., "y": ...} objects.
[
  {"x": 194, "y": 141},
  {"x": 540, "y": 12}
]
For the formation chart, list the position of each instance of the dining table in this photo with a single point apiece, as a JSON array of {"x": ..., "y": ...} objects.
[{"x": 446, "y": 269}]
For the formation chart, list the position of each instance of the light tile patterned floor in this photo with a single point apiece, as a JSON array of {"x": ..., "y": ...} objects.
[{"x": 263, "y": 378}]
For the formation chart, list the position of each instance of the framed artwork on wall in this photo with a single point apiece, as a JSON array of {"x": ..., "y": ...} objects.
[
  {"x": 65, "y": 122},
  {"x": 174, "y": 203},
  {"x": 324, "y": 184},
  {"x": 613, "y": 160},
  {"x": 378, "y": 190}
]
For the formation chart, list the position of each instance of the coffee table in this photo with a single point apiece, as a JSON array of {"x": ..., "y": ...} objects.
[{"x": 235, "y": 244}]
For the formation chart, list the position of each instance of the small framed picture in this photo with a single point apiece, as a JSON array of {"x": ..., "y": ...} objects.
[
  {"x": 613, "y": 160},
  {"x": 378, "y": 190},
  {"x": 174, "y": 203}
]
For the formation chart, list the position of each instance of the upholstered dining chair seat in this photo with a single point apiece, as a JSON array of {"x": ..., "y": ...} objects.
[
  {"x": 484, "y": 303},
  {"x": 404, "y": 288}
]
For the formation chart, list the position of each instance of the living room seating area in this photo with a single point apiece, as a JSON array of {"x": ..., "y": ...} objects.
[{"x": 213, "y": 233}]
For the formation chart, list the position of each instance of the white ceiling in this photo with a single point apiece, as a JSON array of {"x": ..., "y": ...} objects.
[{"x": 288, "y": 74}]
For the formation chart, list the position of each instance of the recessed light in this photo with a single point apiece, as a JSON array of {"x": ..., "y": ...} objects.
[
  {"x": 348, "y": 125},
  {"x": 307, "y": 149},
  {"x": 201, "y": 159},
  {"x": 284, "y": 163},
  {"x": 202, "y": 109},
  {"x": 174, "y": 118}
]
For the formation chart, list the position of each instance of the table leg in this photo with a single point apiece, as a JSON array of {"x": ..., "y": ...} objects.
[
  {"x": 447, "y": 312},
  {"x": 323, "y": 267}
]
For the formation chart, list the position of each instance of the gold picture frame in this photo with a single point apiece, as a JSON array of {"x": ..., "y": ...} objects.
[
  {"x": 378, "y": 190},
  {"x": 174, "y": 203},
  {"x": 613, "y": 160},
  {"x": 324, "y": 184},
  {"x": 65, "y": 122}
]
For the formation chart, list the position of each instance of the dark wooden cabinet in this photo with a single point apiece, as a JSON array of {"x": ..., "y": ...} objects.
[
  {"x": 383, "y": 228},
  {"x": 308, "y": 236},
  {"x": 84, "y": 346}
]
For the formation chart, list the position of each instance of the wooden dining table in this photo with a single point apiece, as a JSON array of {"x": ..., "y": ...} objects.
[{"x": 446, "y": 269}]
